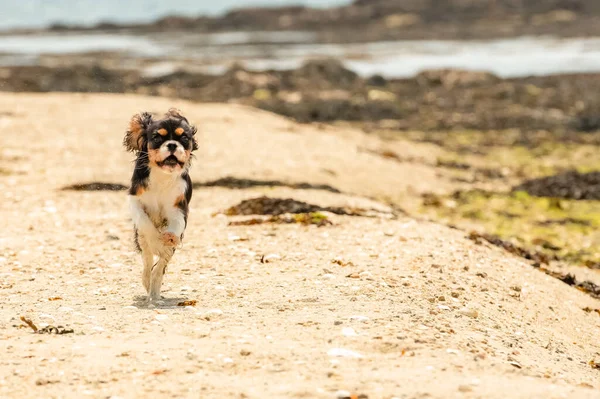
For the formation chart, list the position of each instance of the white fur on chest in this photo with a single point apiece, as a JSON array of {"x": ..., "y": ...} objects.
[{"x": 161, "y": 195}]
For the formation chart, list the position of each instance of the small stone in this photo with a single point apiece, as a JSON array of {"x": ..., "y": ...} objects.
[
  {"x": 341, "y": 352},
  {"x": 271, "y": 258},
  {"x": 349, "y": 332},
  {"x": 465, "y": 388},
  {"x": 363, "y": 319},
  {"x": 212, "y": 314},
  {"x": 341, "y": 394},
  {"x": 472, "y": 313},
  {"x": 515, "y": 364}
]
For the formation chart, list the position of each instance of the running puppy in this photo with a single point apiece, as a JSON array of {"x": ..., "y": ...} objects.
[{"x": 161, "y": 189}]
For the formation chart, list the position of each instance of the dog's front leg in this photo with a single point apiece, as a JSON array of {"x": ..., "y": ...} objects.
[
  {"x": 147, "y": 237},
  {"x": 142, "y": 222},
  {"x": 170, "y": 238},
  {"x": 176, "y": 223},
  {"x": 158, "y": 271}
]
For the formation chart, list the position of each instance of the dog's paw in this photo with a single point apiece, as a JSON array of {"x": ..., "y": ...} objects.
[{"x": 169, "y": 239}]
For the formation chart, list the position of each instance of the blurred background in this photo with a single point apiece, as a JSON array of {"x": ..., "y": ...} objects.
[{"x": 505, "y": 91}]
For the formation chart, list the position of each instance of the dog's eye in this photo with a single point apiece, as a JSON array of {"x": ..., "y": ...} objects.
[
  {"x": 157, "y": 138},
  {"x": 184, "y": 140}
]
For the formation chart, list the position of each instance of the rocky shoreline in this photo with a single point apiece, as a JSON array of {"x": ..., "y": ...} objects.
[
  {"x": 379, "y": 20},
  {"x": 326, "y": 91}
]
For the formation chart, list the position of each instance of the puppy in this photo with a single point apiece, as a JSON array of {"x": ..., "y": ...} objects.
[{"x": 161, "y": 189}]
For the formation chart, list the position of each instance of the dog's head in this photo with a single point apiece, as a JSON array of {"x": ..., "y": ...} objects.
[{"x": 168, "y": 142}]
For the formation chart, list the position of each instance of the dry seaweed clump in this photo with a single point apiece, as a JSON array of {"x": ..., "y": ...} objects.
[
  {"x": 277, "y": 206},
  {"x": 537, "y": 257},
  {"x": 313, "y": 218},
  {"x": 241, "y": 183},
  {"x": 96, "y": 186},
  {"x": 569, "y": 185}
]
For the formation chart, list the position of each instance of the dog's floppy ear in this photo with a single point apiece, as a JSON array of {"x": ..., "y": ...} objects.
[
  {"x": 194, "y": 141},
  {"x": 134, "y": 137}
]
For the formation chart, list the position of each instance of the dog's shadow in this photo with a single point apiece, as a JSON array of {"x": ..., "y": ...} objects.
[{"x": 141, "y": 302}]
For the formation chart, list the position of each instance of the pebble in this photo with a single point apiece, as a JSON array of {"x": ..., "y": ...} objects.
[
  {"x": 271, "y": 257},
  {"x": 470, "y": 312},
  {"x": 365, "y": 274},
  {"x": 161, "y": 317},
  {"x": 341, "y": 352},
  {"x": 341, "y": 394},
  {"x": 349, "y": 332},
  {"x": 360, "y": 318},
  {"x": 464, "y": 388},
  {"x": 214, "y": 312}
]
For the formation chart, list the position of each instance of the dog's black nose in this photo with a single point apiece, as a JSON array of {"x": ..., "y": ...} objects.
[{"x": 172, "y": 147}]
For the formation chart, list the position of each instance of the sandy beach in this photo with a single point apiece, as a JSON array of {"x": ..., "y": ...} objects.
[{"x": 375, "y": 306}]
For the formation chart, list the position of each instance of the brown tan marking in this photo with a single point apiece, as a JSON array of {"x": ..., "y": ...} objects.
[
  {"x": 179, "y": 200},
  {"x": 163, "y": 132},
  {"x": 153, "y": 156},
  {"x": 179, "y": 131},
  {"x": 140, "y": 190}
]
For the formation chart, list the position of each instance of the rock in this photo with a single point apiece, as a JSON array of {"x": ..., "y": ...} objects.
[
  {"x": 349, "y": 332},
  {"x": 363, "y": 319},
  {"x": 469, "y": 312},
  {"x": 341, "y": 352},
  {"x": 465, "y": 388}
]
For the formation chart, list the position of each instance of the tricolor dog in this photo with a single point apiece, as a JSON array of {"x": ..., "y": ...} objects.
[{"x": 161, "y": 189}]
